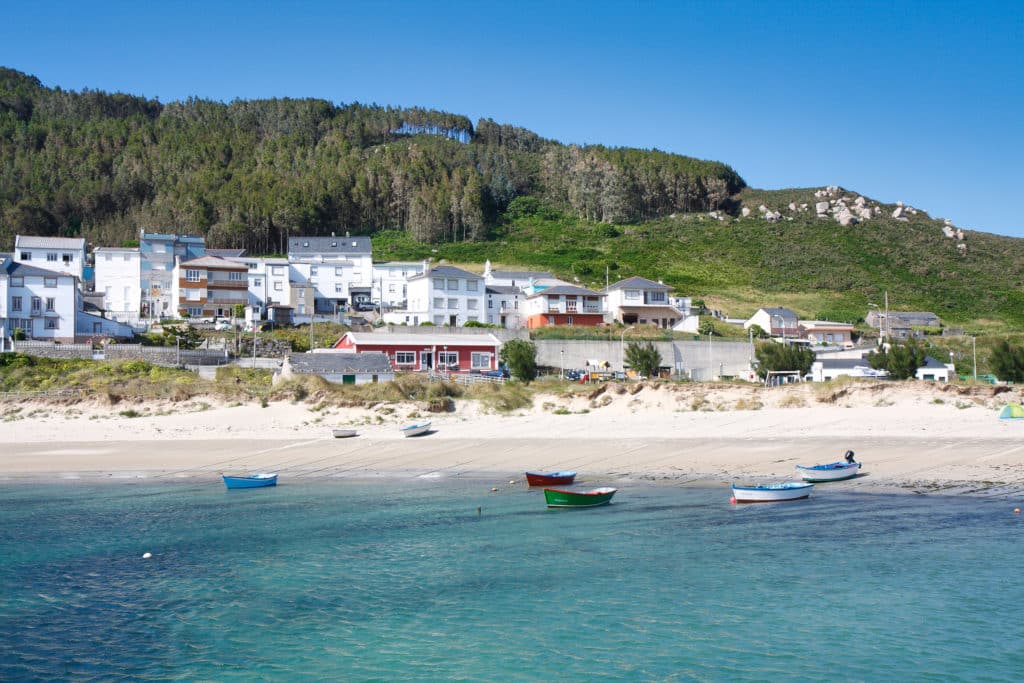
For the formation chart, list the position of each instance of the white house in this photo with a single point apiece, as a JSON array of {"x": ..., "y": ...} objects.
[
  {"x": 338, "y": 269},
  {"x": 269, "y": 282},
  {"x": 446, "y": 295},
  {"x": 512, "y": 278},
  {"x": 42, "y": 303},
  {"x": 826, "y": 332},
  {"x": 159, "y": 253},
  {"x": 775, "y": 321},
  {"x": 390, "y": 282},
  {"x": 935, "y": 371},
  {"x": 58, "y": 254},
  {"x": 118, "y": 275},
  {"x": 504, "y": 305},
  {"x": 637, "y": 300}
]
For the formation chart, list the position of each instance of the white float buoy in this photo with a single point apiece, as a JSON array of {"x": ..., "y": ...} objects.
[{"x": 146, "y": 556}]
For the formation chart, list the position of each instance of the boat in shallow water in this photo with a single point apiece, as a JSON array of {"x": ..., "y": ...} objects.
[
  {"x": 550, "y": 479},
  {"x": 771, "y": 493},
  {"x": 250, "y": 481},
  {"x": 561, "y": 498}
]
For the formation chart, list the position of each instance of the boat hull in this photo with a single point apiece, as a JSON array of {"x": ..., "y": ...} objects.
[
  {"x": 416, "y": 430},
  {"x": 249, "y": 482},
  {"x": 550, "y": 479},
  {"x": 560, "y": 498},
  {"x": 343, "y": 433},
  {"x": 833, "y": 471},
  {"x": 771, "y": 493}
]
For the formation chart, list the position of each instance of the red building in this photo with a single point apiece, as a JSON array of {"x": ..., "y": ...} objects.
[{"x": 416, "y": 352}]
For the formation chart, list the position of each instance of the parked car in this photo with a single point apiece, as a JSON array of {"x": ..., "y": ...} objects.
[{"x": 500, "y": 372}]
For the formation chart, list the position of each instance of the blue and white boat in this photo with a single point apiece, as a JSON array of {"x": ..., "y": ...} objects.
[
  {"x": 771, "y": 493},
  {"x": 416, "y": 429},
  {"x": 250, "y": 481},
  {"x": 833, "y": 471}
]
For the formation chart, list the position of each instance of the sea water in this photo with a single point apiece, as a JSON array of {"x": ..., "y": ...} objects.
[{"x": 447, "y": 580}]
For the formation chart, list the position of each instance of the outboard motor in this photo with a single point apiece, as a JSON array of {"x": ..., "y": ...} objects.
[{"x": 849, "y": 456}]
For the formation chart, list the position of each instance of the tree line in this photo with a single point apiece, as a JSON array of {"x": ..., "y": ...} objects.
[{"x": 250, "y": 173}]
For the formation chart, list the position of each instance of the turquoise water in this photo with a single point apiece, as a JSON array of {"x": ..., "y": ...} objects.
[{"x": 406, "y": 581}]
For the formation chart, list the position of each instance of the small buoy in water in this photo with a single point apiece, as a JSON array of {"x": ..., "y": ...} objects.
[
  {"x": 1016, "y": 511},
  {"x": 146, "y": 556},
  {"x": 733, "y": 500},
  {"x": 493, "y": 489}
]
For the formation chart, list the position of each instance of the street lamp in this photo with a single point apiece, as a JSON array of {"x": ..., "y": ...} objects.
[
  {"x": 622, "y": 346},
  {"x": 974, "y": 354},
  {"x": 561, "y": 364}
]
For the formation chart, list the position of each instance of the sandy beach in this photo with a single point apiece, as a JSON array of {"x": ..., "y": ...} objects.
[{"x": 910, "y": 436}]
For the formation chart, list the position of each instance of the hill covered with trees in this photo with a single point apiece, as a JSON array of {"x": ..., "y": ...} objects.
[{"x": 428, "y": 184}]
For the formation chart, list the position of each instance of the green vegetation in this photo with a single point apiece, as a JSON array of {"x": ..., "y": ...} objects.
[
  {"x": 520, "y": 357},
  {"x": 643, "y": 358},
  {"x": 775, "y": 357},
  {"x": 901, "y": 360},
  {"x": 1008, "y": 362}
]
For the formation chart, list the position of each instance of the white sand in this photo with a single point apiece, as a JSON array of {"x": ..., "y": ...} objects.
[{"x": 910, "y": 436}]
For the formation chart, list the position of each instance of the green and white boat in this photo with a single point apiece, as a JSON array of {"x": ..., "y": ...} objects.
[{"x": 561, "y": 498}]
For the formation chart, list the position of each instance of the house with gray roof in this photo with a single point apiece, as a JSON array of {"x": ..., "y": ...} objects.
[
  {"x": 902, "y": 324},
  {"x": 443, "y": 295},
  {"x": 512, "y": 278},
  {"x": 775, "y": 321},
  {"x": 338, "y": 367},
  {"x": 338, "y": 271}
]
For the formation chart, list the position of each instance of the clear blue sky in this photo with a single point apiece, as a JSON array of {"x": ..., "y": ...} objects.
[{"x": 915, "y": 101}]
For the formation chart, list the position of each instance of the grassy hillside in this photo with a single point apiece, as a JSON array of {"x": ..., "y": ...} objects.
[{"x": 812, "y": 265}]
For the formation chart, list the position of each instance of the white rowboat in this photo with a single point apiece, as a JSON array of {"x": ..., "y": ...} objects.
[{"x": 771, "y": 493}]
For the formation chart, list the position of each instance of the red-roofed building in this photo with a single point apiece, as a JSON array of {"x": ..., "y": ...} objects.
[
  {"x": 564, "y": 304},
  {"x": 412, "y": 352}
]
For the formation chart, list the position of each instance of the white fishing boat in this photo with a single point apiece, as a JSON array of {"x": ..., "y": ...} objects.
[
  {"x": 771, "y": 493},
  {"x": 343, "y": 432},
  {"x": 833, "y": 471},
  {"x": 416, "y": 429}
]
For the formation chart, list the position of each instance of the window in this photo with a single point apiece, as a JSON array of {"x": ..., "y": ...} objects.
[
  {"x": 339, "y": 271},
  {"x": 191, "y": 275},
  {"x": 632, "y": 294},
  {"x": 471, "y": 285},
  {"x": 405, "y": 358},
  {"x": 439, "y": 320},
  {"x": 257, "y": 282},
  {"x": 277, "y": 287},
  {"x": 51, "y": 257},
  {"x": 49, "y": 282},
  {"x": 480, "y": 361},
  {"x": 471, "y": 304},
  {"x": 52, "y": 323},
  {"x": 438, "y": 283},
  {"x": 277, "y": 270},
  {"x": 453, "y": 285},
  {"x": 17, "y": 281},
  {"x": 51, "y": 304},
  {"x": 438, "y": 302},
  {"x": 26, "y": 256},
  {"x": 193, "y": 294},
  {"x": 236, "y": 275},
  {"x": 127, "y": 257},
  {"x": 37, "y": 304},
  {"x": 490, "y": 303},
  {"x": 453, "y": 303},
  {"x": 67, "y": 259},
  {"x": 195, "y": 312},
  {"x": 339, "y": 288},
  {"x": 656, "y": 297},
  {"x": 313, "y": 270},
  {"x": 448, "y": 359},
  {"x": 15, "y": 303},
  {"x": 568, "y": 320}
]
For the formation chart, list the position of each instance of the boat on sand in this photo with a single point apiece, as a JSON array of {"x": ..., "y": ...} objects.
[
  {"x": 416, "y": 429},
  {"x": 833, "y": 471},
  {"x": 250, "y": 481},
  {"x": 343, "y": 432}
]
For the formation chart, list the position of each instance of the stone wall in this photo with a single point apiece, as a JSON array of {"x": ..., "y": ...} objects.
[{"x": 157, "y": 355}]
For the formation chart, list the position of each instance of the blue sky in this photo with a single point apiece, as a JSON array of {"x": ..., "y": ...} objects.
[{"x": 915, "y": 101}]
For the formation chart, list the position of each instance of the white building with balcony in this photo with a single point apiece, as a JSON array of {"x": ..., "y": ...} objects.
[
  {"x": 42, "y": 303},
  {"x": 504, "y": 306},
  {"x": 564, "y": 304},
  {"x": 639, "y": 301}
]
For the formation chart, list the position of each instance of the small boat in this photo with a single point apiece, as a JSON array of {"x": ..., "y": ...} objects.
[
  {"x": 416, "y": 429},
  {"x": 560, "y": 498},
  {"x": 770, "y": 493},
  {"x": 343, "y": 433},
  {"x": 250, "y": 481},
  {"x": 833, "y": 471},
  {"x": 550, "y": 479}
]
